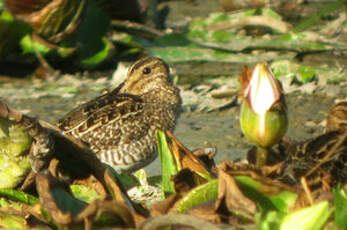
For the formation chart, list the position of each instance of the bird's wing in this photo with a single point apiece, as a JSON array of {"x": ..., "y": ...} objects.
[{"x": 99, "y": 111}]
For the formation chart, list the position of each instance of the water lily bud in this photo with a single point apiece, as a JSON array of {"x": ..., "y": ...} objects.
[
  {"x": 15, "y": 143},
  {"x": 263, "y": 115}
]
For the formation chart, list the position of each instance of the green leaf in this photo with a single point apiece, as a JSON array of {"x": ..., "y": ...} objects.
[
  {"x": 66, "y": 202},
  {"x": 271, "y": 13},
  {"x": 94, "y": 46},
  {"x": 289, "y": 69},
  {"x": 83, "y": 193},
  {"x": 306, "y": 73},
  {"x": 271, "y": 221},
  {"x": 19, "y": 196},
  {"x": 29, "y": 46},
  {"x": 310, "y": 218},
  {"x": 125, "y": 179},
  {"x": 340, "y": 202},
  {"x": 100, "y": 56},
  {"x": 281, "y": 201},
  {"x": 14, "y": 31},
  {"x": 12, "y": 222},
  {"x": 14, "y": 160},
  {"x": 189, "y": 53},
  {"x": 168, "y": 165},
  {"x": 198, "y": 195},
  {"x": 173, "y": 39},
  {"x": 155, "y": 180}
]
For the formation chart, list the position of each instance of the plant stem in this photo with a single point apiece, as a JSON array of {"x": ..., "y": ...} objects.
[{"x": 262, "y": 154}]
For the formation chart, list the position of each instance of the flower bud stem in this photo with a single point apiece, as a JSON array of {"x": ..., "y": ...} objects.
[{"x": 262, "y": 154}]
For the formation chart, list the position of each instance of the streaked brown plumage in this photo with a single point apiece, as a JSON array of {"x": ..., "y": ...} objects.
[
  {"x": 337, "y": 117},
  {"x": 120, "y": 126}
]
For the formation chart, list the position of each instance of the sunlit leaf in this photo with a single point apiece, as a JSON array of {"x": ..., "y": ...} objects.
[
  {"x": 281, "y": 201},
  {"x": 307, "y": 73},
  {"x": 288, "y": 69},
  {"x": 271, "y": 221},
  {"x": 14, "y": 146},
  {"x": 9, "y": 221},
  {"x": 168, "y": 164},
  {"x": 101, "y": 55},
  {"x": 30, "y": 46},
  {"x": 19, "y": 196},
  {"x": 197, "y": 196},
  {"x": 310, "y": 218},
  {"x": 86, "y": 194}
]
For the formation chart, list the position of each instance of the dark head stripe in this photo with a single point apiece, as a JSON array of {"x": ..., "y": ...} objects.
[{"x": 142, "y": 62}]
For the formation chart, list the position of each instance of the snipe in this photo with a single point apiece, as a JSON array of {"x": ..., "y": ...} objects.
[{"x": 120, "y": 126}]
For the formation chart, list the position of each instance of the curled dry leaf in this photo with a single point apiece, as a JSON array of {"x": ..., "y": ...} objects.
[
  {"x": 186, "y": 159},
  {"x": 48, "y": 191},
  {"x": 185, "y": 180},
  {"x": 163, "y": 207},
  {"x": 231, "y": 197},
  {"x": 8, "y": 113},
  {"x": 267, "y": 186}
]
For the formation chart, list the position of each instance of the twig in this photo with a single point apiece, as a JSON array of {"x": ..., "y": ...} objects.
[
  {"x": 307, "y": 190},
  {"x": 136, "y": 28},
  {"x": 327, "y": 157},
  {"x": 178, "y": 219}
]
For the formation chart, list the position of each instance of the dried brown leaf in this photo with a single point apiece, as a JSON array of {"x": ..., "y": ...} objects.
[
  {"x": 245, "y": 79},
  {"x": 231, "y": 197},
  {"x": 185, "y": 180},
  {"x": 163, "y": 207},
  {"x": 45, "y": 183},
  {"x": 185, "y": 158}
]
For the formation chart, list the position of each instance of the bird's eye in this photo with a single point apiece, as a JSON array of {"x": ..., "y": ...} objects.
[{"x": 146, "y": 70}]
